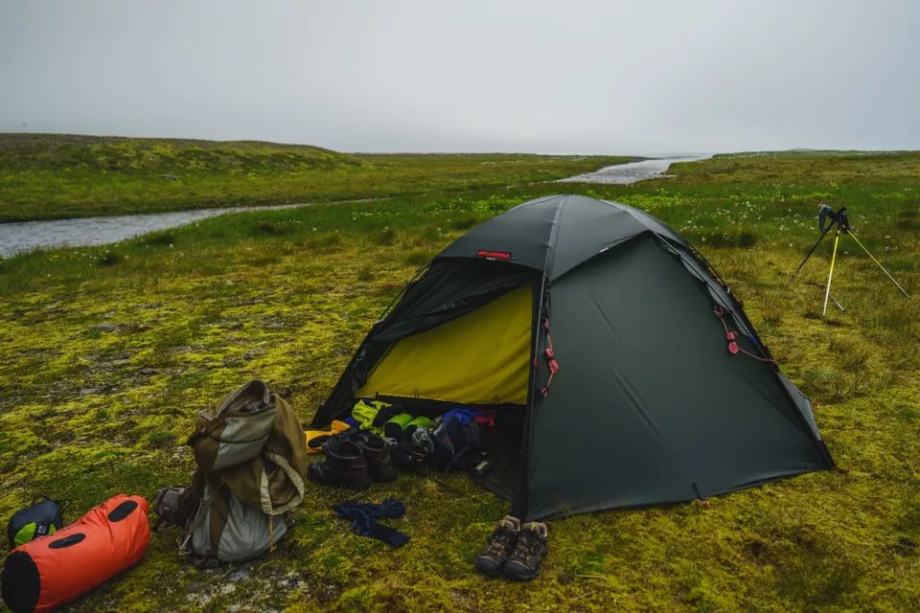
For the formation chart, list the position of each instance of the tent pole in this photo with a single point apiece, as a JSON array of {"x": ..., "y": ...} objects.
[
  {"x": 830, "y": 275},
  {"x": 519, "y": 500}
]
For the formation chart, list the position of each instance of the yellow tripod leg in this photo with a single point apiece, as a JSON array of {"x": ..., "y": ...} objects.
[{"x": 830, "y": 275}]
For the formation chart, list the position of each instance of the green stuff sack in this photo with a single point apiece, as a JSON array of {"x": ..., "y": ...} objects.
[
  {"x": 44, "y": 516},
  {"x": 366, "y": 413},
  {"x": 394, "y": 426},
  {"x": 419, "y": 422}
]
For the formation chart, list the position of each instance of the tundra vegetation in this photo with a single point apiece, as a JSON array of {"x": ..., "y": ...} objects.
[
  {"x": 56, "y": 176},
  {"x": 107, "y": 353}
]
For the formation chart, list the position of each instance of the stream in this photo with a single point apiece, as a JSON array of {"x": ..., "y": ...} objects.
[
  {"x": 632, "y": 172},
  {"x": 22, "y": 237}
]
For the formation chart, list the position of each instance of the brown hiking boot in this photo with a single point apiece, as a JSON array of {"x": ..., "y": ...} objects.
[
  {"x": 491, "y": 559},
  {"x": 531, "y": 547},
  {"x": 376, "y": 452}
]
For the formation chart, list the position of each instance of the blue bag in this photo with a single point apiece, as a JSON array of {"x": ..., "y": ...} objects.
[{"x": 43, "y": 516}]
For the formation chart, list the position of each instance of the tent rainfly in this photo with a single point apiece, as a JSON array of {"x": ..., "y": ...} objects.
[{"x": 624, "y": 371}]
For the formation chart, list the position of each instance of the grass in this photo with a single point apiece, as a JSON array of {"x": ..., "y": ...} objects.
[
  {"x": 47, "y": 176},
  {"x": 107, "y": 353}
]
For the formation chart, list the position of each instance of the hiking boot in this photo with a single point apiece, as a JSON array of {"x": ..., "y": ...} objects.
[
  {"x": 531, "y": 547},
  {"x": 377, "y": 453},
  {"x": 501, "y": 543},
  {"x": 344, "y": 465}
]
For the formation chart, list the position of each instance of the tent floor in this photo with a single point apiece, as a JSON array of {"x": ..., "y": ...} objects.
[
  {"x": 503, "y": 447},
  {"x": 504, "y": 450}
]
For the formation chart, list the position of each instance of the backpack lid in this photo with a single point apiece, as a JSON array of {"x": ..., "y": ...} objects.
[{"x": 236, "y": 429}]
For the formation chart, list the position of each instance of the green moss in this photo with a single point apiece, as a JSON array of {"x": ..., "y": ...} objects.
[{"x": 104, "y": 369}]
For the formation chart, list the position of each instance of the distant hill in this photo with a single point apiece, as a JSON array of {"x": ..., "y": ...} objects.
[{"x": 163, "y": 155}]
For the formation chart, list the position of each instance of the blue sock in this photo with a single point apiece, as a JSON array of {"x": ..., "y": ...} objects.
[{"x": 364, "y": 516}]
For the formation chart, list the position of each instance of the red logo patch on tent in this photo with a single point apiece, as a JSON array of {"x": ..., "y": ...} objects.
[{"x": 488, "y": 254}]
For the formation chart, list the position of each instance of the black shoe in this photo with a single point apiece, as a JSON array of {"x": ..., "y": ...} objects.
[
  {"x": 344, "y": 465},
  {"x": 377, "y": 454},
  {"x": 501, "y": 543},
  {"x": 406, "y": 456},
  {"x": 531, "y": 547}
]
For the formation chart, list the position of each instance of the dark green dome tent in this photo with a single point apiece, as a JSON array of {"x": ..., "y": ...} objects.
[{"x": 663, "y": 390}]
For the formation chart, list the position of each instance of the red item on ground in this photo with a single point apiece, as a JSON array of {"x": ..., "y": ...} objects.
[{"x": 53, "y": 570}]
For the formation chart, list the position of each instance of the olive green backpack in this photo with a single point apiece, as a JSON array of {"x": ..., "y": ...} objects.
[{"x": 252, "y": 458}]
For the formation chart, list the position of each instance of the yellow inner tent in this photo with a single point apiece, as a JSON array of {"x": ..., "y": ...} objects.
[{"x": 479, "y": 358}]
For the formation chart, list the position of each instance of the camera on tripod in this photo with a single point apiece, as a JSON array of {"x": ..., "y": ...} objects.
[{"x": 829, "y": 218}]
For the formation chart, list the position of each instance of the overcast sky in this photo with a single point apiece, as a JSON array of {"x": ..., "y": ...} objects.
[{"x": 472, "y": 75}]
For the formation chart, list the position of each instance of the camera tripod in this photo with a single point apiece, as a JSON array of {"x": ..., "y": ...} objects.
[{"x": 827, "y": 219}]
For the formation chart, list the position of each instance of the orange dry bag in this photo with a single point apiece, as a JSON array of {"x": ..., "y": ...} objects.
[{"x": 52, "y": 570}]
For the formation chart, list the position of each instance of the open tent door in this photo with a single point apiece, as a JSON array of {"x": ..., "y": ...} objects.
[{"x": 478, "y": 358}]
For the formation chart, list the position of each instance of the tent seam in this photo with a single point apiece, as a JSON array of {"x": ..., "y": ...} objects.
[{"x": 537, "y": 336}]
